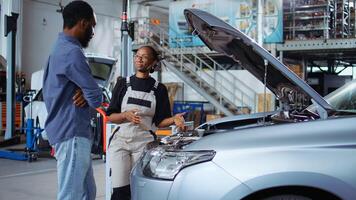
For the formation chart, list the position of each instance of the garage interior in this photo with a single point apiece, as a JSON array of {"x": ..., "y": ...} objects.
[{"x": 316, "y": 39}]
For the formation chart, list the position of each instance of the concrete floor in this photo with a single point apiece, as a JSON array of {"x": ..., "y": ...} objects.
[{"x": 21, "y": 180}]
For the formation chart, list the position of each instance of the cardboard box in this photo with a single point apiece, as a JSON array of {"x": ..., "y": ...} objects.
[
  {"x": 172, "y": 91},
  {"x": 297, "y": 68},
  {"x": 210, "y": 117},
  {"x": 261, "y": 102}
]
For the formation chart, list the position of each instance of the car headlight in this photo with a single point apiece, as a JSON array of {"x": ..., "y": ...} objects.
[{"x": 165, "y": 164}]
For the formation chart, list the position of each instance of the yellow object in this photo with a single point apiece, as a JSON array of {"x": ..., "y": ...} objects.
[
  {"x": 163, "y": 132},
  {"x": 155, "y": 21},
  {"x": 210, "y": 117},
  {"x": 172, "y": 90},
  {"x": 261, "y": 102}
]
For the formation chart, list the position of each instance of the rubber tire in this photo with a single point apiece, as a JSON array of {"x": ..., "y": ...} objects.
[{"x": 288, "y": 197}]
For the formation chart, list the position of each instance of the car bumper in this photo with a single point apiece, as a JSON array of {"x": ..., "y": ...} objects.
[
  {"x": 146, "y": 188},
  {"x": 202, "y": 181}
]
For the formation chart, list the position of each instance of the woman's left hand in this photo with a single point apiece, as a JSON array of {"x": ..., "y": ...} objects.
[{"x": 178, "y": 120}]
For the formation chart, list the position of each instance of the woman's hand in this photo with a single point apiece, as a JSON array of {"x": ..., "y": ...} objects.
[
  {"x": 132, "y": 116},
  {"x": 178, "y": 120}
]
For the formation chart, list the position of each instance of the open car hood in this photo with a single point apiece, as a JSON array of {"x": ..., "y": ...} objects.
[{"x": 223, "y": 38}]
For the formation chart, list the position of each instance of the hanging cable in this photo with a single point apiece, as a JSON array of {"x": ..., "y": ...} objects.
[{"x": 265, "y": 91}]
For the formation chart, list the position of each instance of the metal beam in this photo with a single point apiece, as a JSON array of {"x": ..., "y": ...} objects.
[
  {"x": 310, "y": 45},
  {"x": 10, "y": 33},
  {"x": 124, "y": 40}
]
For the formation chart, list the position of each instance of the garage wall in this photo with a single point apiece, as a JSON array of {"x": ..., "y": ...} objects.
[
  {"x": 159, "y": 13},
  {"x": 42, "y": 23}
]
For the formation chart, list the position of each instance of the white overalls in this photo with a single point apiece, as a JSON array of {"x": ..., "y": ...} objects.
[{"x": 127, "y": 144}]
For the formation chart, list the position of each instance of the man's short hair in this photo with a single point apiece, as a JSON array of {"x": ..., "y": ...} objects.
[{"x": 76, "y": 11}]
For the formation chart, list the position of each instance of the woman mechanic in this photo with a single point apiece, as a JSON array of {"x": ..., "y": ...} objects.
[{"x": 139, "y": 105}]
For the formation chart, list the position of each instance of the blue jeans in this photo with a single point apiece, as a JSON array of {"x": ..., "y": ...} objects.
[{"x": 74, "y": 169}]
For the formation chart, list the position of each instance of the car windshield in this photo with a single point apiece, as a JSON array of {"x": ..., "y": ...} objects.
[{"x": 342, "y": 99}]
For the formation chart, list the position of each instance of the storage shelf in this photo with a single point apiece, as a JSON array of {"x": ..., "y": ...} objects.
[
  {"x": 301, "y": 11},
  {"x": 342, "y": 19},
  {"x": 308, "y": 29},
  {"x": 336, "y": 44},
  {"x": 312, "y": 17},
  {"x": 311, "y": 6}
]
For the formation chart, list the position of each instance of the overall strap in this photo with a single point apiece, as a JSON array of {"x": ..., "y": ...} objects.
[
  {"x": 154, "y": 88},
  {"x": 128, "y": 84}
]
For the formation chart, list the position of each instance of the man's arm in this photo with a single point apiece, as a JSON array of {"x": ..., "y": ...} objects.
[{"x": 79, "y": 72}]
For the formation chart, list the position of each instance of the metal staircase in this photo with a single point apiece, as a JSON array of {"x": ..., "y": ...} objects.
[{"x": 207, "y": 77}]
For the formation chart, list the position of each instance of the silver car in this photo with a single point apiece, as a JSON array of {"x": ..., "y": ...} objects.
[{"x": 304, "y": 150}]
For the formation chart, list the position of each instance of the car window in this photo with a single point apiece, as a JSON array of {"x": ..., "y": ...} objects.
[{"x": 100, "y": 70}]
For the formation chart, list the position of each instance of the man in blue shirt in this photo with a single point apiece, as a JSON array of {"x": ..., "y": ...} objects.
[{"x": 68, "y": 124}]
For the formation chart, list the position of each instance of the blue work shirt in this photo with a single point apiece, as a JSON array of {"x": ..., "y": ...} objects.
[{"x": 68, "y": 70}]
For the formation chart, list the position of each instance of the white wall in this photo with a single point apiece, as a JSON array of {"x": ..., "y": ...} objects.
[
  {"x": 107, "y": 38},
  {"x": 158, "y": 13},
  {"x": 139, "y": 11},
  {"x": 42, "y": 24}
]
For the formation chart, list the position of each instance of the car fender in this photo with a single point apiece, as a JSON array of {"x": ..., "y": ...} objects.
[{"x": 304, "y": 179}]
